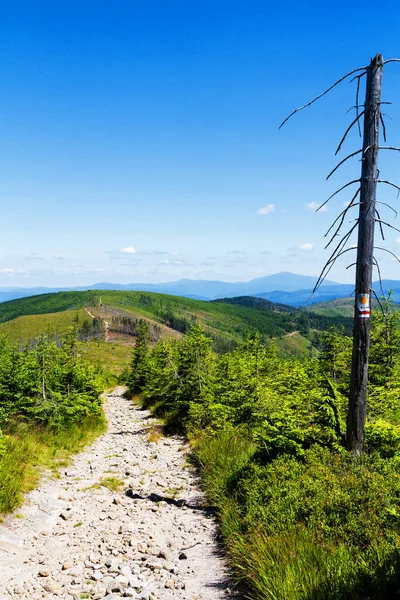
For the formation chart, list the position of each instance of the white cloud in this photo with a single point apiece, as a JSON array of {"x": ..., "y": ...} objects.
[
  {"x": 33, "y": 256},
  {"x": 128, "y": 250},
  {"x": 306, "y": 247},
  {"x": 398, "y": 240},
  {"x": 7, "y": 271},
  {"x": 174, "y": 263},
  {"x": 265, "y": 210},
  {"x": 154, "y": 252},
  {"x": 315, "y": 206}
]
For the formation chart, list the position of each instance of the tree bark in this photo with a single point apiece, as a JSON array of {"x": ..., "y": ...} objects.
[{"x": 361, "y": 335}]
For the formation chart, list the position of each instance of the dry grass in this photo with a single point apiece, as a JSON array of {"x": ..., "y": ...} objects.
[
  {"x": 114, "y": 484},
  {"x": 155, "y": 434}
]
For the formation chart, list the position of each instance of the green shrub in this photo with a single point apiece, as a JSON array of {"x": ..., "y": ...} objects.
[
  {"x": 382, "y": 436},
  {"x": 301, "y": 519}
]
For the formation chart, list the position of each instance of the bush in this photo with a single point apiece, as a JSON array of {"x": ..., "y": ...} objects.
[
  {"x": 301, "y": 518},
  {"x": 383, "y": 437}
]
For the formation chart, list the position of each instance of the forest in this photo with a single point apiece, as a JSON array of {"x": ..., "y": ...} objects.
[{"x": 300, "y": 516}]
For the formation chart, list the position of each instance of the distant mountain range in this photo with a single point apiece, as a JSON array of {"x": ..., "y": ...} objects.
[{"x": 284, "y": 288}]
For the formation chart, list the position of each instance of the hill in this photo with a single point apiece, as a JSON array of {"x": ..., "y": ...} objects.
[
  {"x": 191, "y": 288},
  {"x": 340, "y": 307},
  {"x": 283, "y": 288},
  {"x": 112, "y": 316},
  {"x": 343, "y": 307}
]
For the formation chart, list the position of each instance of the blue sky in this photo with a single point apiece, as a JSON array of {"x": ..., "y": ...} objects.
[{"x": 139, "y": 140}]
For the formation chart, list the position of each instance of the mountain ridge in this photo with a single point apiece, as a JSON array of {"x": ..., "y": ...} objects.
[{"x": 284, "y": 288}]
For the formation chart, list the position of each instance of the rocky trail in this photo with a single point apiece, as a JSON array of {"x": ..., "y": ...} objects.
[{"x": 152, "y": 539}]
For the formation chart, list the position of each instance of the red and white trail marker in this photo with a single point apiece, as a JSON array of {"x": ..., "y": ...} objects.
[{"x": 363, "y": 306}]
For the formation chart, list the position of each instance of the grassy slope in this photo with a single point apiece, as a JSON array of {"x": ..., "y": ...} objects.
[
  {"x": 112, "y": 357},
  {"x": 295, "y": 345},
  {"x": 26, "y": 327},
  {"x": 233, "y": 321},
  {"x": 341, "y": 307}
]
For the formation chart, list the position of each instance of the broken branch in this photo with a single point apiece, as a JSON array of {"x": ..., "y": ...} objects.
[{"x": 323, "y": 94}]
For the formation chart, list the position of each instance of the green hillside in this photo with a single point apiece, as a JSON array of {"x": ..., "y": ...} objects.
[
  {"x": 306, "y": 319},
  {"x": 226, "y": 321},
  {"x": 341, "y": 307},
  {"x": 25, "y": 327}
]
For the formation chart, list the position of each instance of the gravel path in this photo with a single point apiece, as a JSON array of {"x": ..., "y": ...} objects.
[{"x": 153, "y": 539}]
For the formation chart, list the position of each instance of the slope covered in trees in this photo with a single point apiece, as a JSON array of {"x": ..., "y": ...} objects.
[
  {"x": 227, "y": 321},
  {"x": 301, "y": 518}
]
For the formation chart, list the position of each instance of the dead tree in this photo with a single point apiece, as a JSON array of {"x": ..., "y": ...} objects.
[{"x": 368, "y": 215}]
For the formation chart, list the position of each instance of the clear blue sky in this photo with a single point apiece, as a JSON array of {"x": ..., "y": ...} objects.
[{"x": 139, "y": 140}]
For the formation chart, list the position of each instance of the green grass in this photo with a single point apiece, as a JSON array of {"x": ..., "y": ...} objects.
[
  {"x": 110, "y": 356},
  {"x": 341, "y": 307},
  {"x": 30, "y": 448},
  {"x": 23, "y": 328},
  {"x": 326, "y": 528},
  {"x": 295, "y": 344}
]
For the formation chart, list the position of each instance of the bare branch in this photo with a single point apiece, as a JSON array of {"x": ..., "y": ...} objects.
[
  {"x": 337, "y": 192},
  {"x": 348, "y": 129},
  {"x": 349, "y": 266},
  {"x": 391, "y": 60},
  {"x": 379, "y": 302},
  {"x": 357, "y": 77},
  {"x": 344, "y": 251},
  {"x": 357, "y": 95},
  {"x": 383, "y": 127},
  {"x": 343, "y": 161},
  {"x": 335, "y": 254},
  {"x": 380, "y": 224},
  {"x": 388, "y": 251},
  {"x": 388, "y": 205},
  {"x": 323, "y": 94},
  {"x": 379, "y": 275},
  {"x": 390, "y": 183},
  {"x": 326, "y": 270},
  {"x": 388, "y": 148},
  {"x": 362, "y": 105},
  {"x": 339, "y": 226},
  {"x": 387, "y": 224},
  {"x": 343, "y": 213}
]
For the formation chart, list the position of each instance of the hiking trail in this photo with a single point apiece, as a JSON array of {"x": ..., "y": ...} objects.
[{"x": 154, "y": 539}]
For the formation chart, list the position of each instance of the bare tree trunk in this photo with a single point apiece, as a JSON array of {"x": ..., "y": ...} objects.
[{"x": 362, "y": 322}]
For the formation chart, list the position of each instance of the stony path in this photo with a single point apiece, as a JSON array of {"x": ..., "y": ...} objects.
[{"x": 150, "y": 540}]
